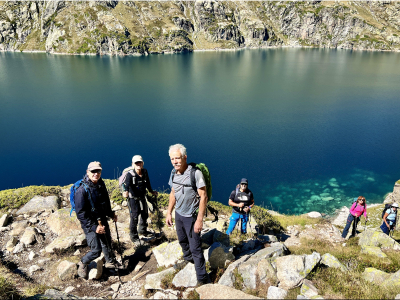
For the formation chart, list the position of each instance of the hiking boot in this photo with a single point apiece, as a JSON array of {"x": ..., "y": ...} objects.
[
  {"x": 204, "y": 281},
  {"x": 146, "y": 233},
  {"x": 113, "y": 264},
  {"x": 136, "y": 243},
  {"x": 83, "y": 270}
]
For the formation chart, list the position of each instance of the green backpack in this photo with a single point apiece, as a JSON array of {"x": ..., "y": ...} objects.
[{"x": 207, "y": 177}]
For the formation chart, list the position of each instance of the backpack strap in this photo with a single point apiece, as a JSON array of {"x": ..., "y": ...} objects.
[{"x": 86, "y": 187}]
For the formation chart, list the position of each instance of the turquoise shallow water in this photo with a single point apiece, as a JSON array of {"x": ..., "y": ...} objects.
[{"x": 290, "y": 120}]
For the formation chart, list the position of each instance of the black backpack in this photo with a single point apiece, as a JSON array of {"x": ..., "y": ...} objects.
[{"x": 388, "y": 206}]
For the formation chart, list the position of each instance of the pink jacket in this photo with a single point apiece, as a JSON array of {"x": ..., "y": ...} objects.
[{"x": 359, "y": 210}]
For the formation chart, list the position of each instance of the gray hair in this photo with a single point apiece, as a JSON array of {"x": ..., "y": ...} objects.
[{"x": 178, "y": 147}]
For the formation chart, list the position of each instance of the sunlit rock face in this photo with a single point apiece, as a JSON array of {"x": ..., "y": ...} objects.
[{"x": 142, "y": 27}]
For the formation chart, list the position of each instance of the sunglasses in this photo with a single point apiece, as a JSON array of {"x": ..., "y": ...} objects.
[
  {"x": 95, "y": 171},
  {"x": 243, "y": 184}
]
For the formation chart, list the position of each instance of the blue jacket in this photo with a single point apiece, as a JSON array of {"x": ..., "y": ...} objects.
[{"x": 101, "y": 201}]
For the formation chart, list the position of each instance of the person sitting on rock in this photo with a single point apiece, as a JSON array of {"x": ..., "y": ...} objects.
[
  {"x": 135, "y": 187},
  {"x": 92, "y": 205},
  {"x": 389, "y": 219},
  {"x": 242, "y": 201},
  {"x": 358, "y": 208}
]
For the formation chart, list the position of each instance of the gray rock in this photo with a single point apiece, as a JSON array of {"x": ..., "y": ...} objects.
[
  {"x": 251, "y": 245},
  {"x": 64, "y": 243},
  {"x": 373, "y": 251},
  {"x": 11, "y": 243},
  {"x": 228, "y": 278},
  {"x": 186, "y": 277},
  {"x": 168, "y": 254},
  {"x": 308, "y": 289},
  {"x": 314, "y": 214},
  {"x": 4, "y": 220},
  {"x": 54, "y": 294},
  {"x": 276, "y": 293},
  {"x": 95, "y": 268},
  {"x": 18, "y": 227},
  {"x": 33, "y": 269},
  {"x": 292, "y": 269},
  {"x": 329, "y": 260},
  {"x": 218, "y": 254},
  {"x": 377, "y": 239},
  {"x": 66, "y": 270},
  {"x": 29, "y": 236},
  {"x": 69, "y": 289},
  {"x": 115, "y": 287},
  {"x": 374, "y": 275},
  {"x": 19, "y": 248},
  {"x": 267, "y": 238},
  {"x": 61, "y": 223},
  {"x": 39, "y": 203},
  {"x": 218, "y": 291},
  {"x": 266, "y": 272},
  {"x": 32, "y": 255},
  {"x": 153, "y": 281},
  {"x": 248, "y": 272},
  {"x": 275, "y": 250},
  {"x": 221, "y": 237}
]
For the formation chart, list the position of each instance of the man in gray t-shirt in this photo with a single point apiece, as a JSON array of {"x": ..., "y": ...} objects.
[{"x": 188, "y": 221}]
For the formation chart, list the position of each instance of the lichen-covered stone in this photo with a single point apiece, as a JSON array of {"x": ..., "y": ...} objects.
[
  {"x": 331, "y": 261},
  {"x": 186, "y": 277},
  {"x": 153, "y": 281},
  {"x": 39, "y": 203},
  {"x": 266, "y": 271},
  {"x": 308, "y": 289},
  {"x": 168, "y": 254},
  {"x": 228, "y": 278},
  {"x": 373, "y": 251},
  {"x": 61, "y": 223},
  {"x": 218, "y": 291},
  {"x": 374, "y": 275},
  {"x": 276, "y": 293},
  {"x": 377, "y": 239}
]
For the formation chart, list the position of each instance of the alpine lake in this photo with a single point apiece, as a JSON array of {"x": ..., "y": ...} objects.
[{"x": 309, "y": 128}]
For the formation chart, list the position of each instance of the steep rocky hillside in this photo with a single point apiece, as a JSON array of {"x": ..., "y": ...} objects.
[{"x": 141, "y": 27}]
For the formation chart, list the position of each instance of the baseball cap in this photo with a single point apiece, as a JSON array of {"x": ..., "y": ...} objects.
[
  {"x": 395, "y": 205},
  {"x": 94, "y": 165},
  {"x": 137, "y": 158},
  {"x": 244, "y": 180}
]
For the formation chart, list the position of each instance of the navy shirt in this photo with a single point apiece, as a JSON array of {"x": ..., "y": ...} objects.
[{"x": 246, "y": 197}]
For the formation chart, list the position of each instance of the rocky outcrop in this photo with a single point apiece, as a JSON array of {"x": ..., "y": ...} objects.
[
  {"x": 377, "y": 239},
  {"x": 39, "y": 203},
  {"x": 143, "y": 27}
]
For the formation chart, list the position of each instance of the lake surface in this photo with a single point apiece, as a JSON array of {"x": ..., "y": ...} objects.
[{"x": 297, "y": 123}]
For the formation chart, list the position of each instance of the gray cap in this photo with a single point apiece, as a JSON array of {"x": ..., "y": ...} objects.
[
  {"x": 137, "y": 158},
  {"x": 244, "y": 180}
]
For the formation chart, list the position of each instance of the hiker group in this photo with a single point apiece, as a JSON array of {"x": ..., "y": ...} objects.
[
  {"x": 190, "y": 191},
  {"x": 359, "y": 207}
]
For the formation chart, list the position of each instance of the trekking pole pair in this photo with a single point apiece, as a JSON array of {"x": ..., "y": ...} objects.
[{"x": 109, "y": 251}]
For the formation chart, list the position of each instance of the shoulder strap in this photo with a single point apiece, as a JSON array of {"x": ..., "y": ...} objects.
[
  {"x": 86, "y": 187},
  {"x": 193, "y": 177}
]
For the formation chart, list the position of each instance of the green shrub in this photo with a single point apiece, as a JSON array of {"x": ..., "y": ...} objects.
[{"x": 264, "y": 220}]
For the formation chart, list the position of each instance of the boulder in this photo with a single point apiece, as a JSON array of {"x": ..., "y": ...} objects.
[
  {"x": 62, "y": 224},
  {"x": 373, "y": 251},
  {"x": 267, "y": 238},
  {"x": 329, "y": 260},
  {"x": 61, "y": 244},
  {"x": 377, "y": 239},
  {"x": 251, "y": 245},
  {"x": 186, "y": 277},
  {"x": 95, "y": 268},
  {"x": 276, "y": 293},
  {"x": 341, "y": 218},
  {"x": 11, "y": 243},
  {"x": 218, "y": 291},
  {"x": 54, "y": 294},
  {"x": 29, "y": 236},
  {"x": 393, "y": 280},
  {"x": 153, "y": 281},
  {"x": 168, "y": 254},
  {"x": 220, "y": 237},
  {"x": 4, "y": 220},
  {"x": 33, "y": 269},
  {"x": 18, "y": 227},
  {"x": 292, "y": 269},
  {"x": 219, "y": 225},
  {"x": 228, "y": 277},
  {"x": 39, "y": 203},
  {"x": 218, "y": 254},
  {"x": 67, "y": 270},
  {"x": 19, "y": 248},
  {"x": 266, "y": 272},
  {"x": 374, "y": 275},
  {"x": 308, "y": 289},
  {"x": 395, "y": 195},
  {"x": 314, "y": 214},
  {"x": 208, "y": 238},
  {"x": 275, "y": 250}
]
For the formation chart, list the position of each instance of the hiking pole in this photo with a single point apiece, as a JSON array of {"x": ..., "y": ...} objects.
[
  {"x": 119, "y": 244},
  {"x": 109, "y": 252}
]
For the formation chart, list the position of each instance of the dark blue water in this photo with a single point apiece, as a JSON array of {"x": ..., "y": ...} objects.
[{"x": 297, "y": 123}]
